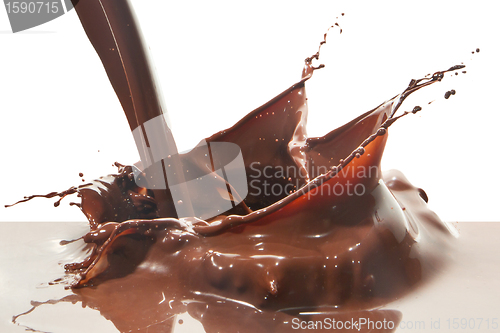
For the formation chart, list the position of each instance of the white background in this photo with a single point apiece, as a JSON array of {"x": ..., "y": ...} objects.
[{"x": 218, "y": 60}]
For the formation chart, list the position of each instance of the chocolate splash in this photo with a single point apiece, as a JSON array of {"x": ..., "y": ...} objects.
[
  {"x": 321, "y": 234},
  {"x": 256, "y": 252},
  {"x": 277, "y": 255}
]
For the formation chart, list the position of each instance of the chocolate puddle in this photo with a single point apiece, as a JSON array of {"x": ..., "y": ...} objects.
[{"x": 320, "y": 234}]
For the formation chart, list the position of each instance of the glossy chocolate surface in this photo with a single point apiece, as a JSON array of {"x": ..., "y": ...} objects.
[
  {"x": 267, "y": 261},
  {"x": 321, "y": 233}
]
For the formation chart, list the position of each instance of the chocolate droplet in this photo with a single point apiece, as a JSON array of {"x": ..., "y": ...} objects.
[{"x": 423, "y": 195}]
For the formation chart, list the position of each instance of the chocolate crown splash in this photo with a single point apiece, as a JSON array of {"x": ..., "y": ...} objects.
[
  {"x": 364, "y": 137},
  {"x": 320, "y": 231},
  {"x": 314, "y": 248}
]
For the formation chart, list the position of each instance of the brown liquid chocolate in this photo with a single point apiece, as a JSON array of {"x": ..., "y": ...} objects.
[
  {"x": 312, "y": 251},
  {"x": 321, "y": 234}
]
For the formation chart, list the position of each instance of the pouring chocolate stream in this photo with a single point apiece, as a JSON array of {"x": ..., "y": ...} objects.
[{"x": 114, "y": 32}]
